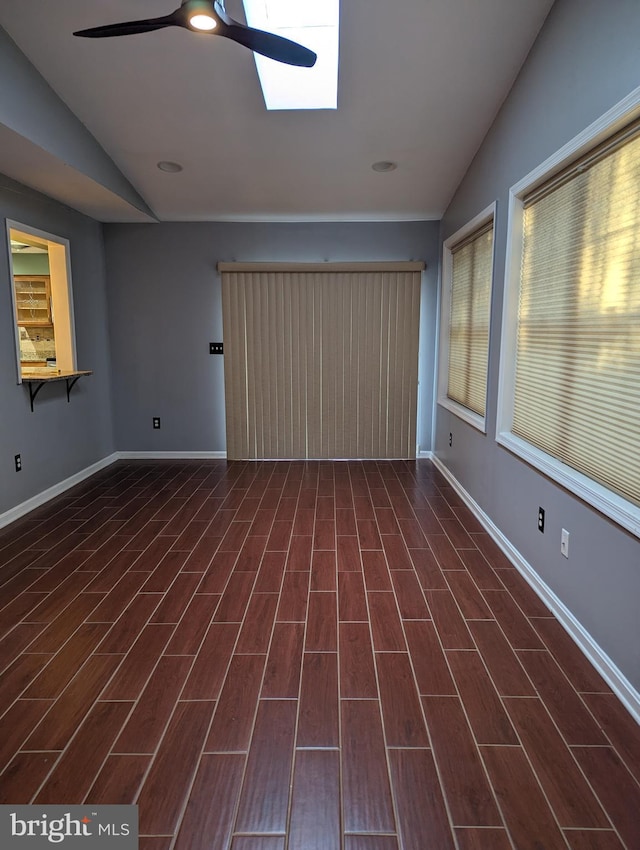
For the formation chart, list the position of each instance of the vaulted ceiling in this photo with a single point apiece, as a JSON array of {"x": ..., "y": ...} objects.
[{"x": 420, "y": 83}]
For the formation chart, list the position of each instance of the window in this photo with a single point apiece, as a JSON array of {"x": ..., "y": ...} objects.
[
  {"x": 43, "y": 307},
  {"x": 312, "y": 24},
  {"x": 464, "y": 330},
  {"x": 571, "y": 397}
]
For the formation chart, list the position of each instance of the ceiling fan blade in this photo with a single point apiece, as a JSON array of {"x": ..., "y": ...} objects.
[
  {"x": 131, "y": 27},
  {"x": 266, "y": 43}
]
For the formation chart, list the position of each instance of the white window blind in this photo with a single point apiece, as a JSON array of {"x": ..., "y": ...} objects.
[
  {"x": 577, "y": 372},
  {"x": 470, "y": 307}
]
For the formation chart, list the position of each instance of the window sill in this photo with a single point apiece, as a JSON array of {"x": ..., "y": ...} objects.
[
  {"x": 621, "y": 511},
  {"x": 474, "y": 419}
]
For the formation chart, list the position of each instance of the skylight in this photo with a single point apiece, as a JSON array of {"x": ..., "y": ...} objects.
[{"x": 312, "y": 23}]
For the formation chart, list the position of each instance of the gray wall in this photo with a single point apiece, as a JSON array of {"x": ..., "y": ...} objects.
[
  {"x": 58, "y": 439},
  {"x": 165, "y": 307},
  {"x": 585, "y": 60}
]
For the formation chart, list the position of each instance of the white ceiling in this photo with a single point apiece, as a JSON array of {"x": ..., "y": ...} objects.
[{"x": 420, "y": 84}]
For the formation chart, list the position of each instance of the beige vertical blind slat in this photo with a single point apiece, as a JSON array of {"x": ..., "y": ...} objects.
[
  {"x": 577, "y": 386},
  {"x": 321, "y": 364}
]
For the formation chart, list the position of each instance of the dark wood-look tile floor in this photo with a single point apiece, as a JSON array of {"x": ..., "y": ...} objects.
[{"x": 299, "y": 656}]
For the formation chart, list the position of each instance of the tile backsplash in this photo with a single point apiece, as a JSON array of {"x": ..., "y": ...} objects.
[{"x": 37, "y": 343}]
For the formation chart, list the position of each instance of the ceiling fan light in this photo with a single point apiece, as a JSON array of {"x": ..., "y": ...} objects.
[{"x": 205, "y": 23}]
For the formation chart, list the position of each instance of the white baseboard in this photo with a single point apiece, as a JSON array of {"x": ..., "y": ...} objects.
[
  {"x": 35, "y": 501},
  {"x": 425, "y": 455},
  {"x": 171, "y": 455},
  {"x": 614, "y": 677}
]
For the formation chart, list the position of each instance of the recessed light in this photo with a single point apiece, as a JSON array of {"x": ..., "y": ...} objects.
[
  {"x": 384, "y": 166},
  {"x": 169, "y": 167}
]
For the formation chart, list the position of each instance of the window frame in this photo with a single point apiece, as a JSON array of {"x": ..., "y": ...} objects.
[
  {"x": 612, "y": 505},
  {"x": 486, "y": 216},
  {"x": 65, "y": 287}
]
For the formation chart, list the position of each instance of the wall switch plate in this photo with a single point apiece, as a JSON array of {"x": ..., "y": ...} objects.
[
  {"x": 18, "y": 462},
  {"x": 215, "y": 348},
  {"x": 541, "y": 520},
  {"x": 156, "y": 422},
  {"x": 564, "y": 543}
]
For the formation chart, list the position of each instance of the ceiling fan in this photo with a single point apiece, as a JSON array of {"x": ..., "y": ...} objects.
[{"x": 209, "y": 16}]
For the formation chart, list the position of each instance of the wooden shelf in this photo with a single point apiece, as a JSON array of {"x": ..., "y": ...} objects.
[{"x": 35, "y": 379}]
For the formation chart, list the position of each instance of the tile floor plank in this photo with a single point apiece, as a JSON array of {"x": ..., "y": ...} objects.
[
  {"x": 411, "y": 602},
  {"x": 284, "y": 664},
  {"x": 619, "y": 727},
  {"x": 352, "y": 604},
  {"x": 24, "y": 775},
  {"x": 146, "y": 724},
  {"x": 258, "y": 842},
  {"x": 265, "y": 791},
  {"x": 506, "y": 671},
  {"x": 386, "y": 627},
  {"x": 357, "y": 671},
  {"x": 568, "y": 793},
  {"x": 131, "y": 677},
  {"x": 366, "y": 792},
  {"x": 165, "y": 788},
  {"x": 318, "y": 706},
  {"x": 193, "y": 625},
  {"x": 255, "y": 633},
  {"x": 233, "y": 720},
  {"x": 315, "y": 801},
  {"x": 205, "y": 826},
  {"x": 422, "y": 817},
  {"x": 370, "y": 842},
  {"x": 453, "y": 630},
  {"x": 482, "y": 839},
  {"x": 608, "y": 776},
  {"x": 210, "y": 667},
  {"x": 592, "y": 840},
  {"x": 17, "y": 724},
  {"x": 322, "y": 625},
  {"x": 401, "y": 713},
  {"x": 429, "y": 661},
  {"x": 430, "y": 575},
  {"x": 563, "y": 703},
  {"x": 294, "y": 597},
  {"x": 466, "y": 788},
  {"x": 119, "y": 780},
  {"x": 487, "y": 716},
  {"x": 525, "y": 809},
  {"x": 78, "y": 767},
  {"x": 57, "y": 727}
]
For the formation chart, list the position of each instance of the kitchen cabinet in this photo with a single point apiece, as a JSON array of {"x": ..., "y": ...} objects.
[{"x": 33, "y": 300}]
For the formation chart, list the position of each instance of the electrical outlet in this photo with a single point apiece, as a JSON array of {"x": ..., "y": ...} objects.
[
  {"x": 215, "y": 348},
  {"x": 156, "y": 422},
  {"x": 541, "y": 520},
  {"x": 18, "y": 462},
  {"x": 450, "y": 438},
  {"x": 564, "y": 543}
]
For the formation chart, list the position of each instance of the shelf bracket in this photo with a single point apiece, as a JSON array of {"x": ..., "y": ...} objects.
[
  {"x": 70, "y": 384},
  {"x": 34, "y": 392}
]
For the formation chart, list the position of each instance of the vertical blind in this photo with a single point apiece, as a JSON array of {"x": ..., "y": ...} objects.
[
  {"x": 577, "y": 382},
  {"x": 469, "y": 317},
  {"x": 321, "y": 362}
]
